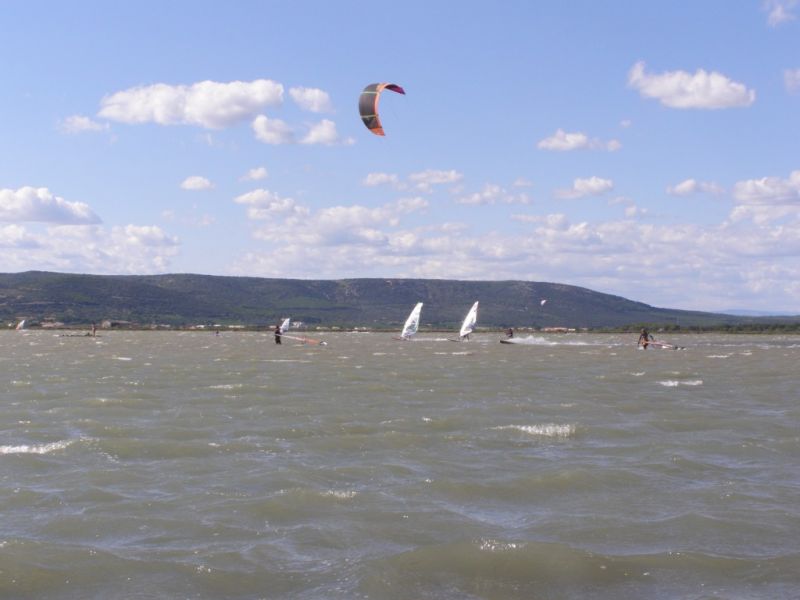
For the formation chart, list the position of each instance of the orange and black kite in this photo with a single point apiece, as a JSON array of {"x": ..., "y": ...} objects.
[{"x": 368, "y": 104}]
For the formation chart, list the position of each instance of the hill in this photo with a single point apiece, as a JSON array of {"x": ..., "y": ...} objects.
[{"x": 185, "y": 299}]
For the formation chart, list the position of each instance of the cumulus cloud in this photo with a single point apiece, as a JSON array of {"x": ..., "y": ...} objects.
[
  {"x": 81, "y": 124},
  {"x": 208, "y": 104},
  {"x": 264, "y": 204},
  {"x": 591, "y": 186},
  {"x": 692, "y": 186},
  {"x": 290, "y": 222},
  {"x": 679, "y": 89},
  {"x": 272, "y": 131},
  {"x": 769, "y": 190},
  {"x": 311, "y": 99},
  {"x": 17, "y": 237},
  {"x": 255, "y": 174},
  {"x": 779, "y": 11},
  {"x": 29, "y": 204},
  {"x": 276, "y": 132},
  {"x": 425, "y": 180},
  {"x": 196, "y": 183},
  {"x": 791, "y": 79},
  {"x": 375, "y": 179},
  {"x": 133, "y": 249},
  {"x": 324, "y": 133},
  {"x": 739, "y": 261},
  {"x": 493, "y": 194},
  {"x": 562, "y": 141}
]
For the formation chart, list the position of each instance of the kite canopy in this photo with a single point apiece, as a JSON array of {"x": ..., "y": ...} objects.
[{"x": 368, "y": 104}]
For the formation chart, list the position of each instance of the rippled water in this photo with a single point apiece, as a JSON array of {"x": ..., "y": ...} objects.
[{"x": 183, "y": 465}]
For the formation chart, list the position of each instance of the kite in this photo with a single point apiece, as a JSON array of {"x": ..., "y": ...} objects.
[{"x": 368, "y": 104}]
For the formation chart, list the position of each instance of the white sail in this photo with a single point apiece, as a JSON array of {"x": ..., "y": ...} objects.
[
  {"x": 469, "y": 321},
  {"x": 286, "y": 324},
  {"x": 21, "y": 325},
  {"x": 412, "y": 323}
]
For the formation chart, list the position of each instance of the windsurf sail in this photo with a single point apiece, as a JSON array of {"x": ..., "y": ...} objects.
[
  {"x": 412, "y": 322},
  {"x": 21, "y": 325},
  {"x": 469, "y": 321},
  {"x": 287, "y": 322}
]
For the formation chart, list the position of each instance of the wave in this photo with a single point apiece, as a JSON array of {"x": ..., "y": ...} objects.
[
  {"x": 676, "y": 383},
  {"x": 552, "y": 430},
  {"x": 534, "y": 569},
  {"x": 36, "y": 448},
  {"x": 533, "y": 340}
]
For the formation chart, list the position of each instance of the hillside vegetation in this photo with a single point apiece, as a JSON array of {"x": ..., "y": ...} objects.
[{"x": 185, "y": 299}]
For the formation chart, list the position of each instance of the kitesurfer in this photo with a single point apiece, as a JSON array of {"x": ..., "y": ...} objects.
[{"x": 644, "y": 338}]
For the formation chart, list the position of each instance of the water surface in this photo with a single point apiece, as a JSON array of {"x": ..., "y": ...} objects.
[{"x": 184, "y": 465}]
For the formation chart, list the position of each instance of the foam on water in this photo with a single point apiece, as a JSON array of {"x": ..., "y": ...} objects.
[
  {"x": 677, "y": 382},
  {"x": 553, "y": 430},
  {"x": 36, "y": 448}
]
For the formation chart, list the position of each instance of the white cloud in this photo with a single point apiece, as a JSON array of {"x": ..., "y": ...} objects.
[
  {"x": 196, "y": 183},
  {"x": 88, "y": 249},
  {"x": 591, "y": 186},
  {"x": 41, "y": 205},
  {"x": 493, "y": 194},
  {"x": 692, "y": 186},
  {"x": 425, "y": 180},
  {"x": 255, "y": 174},
  {"x": 80, "y": 124},
  {"x": 272, "y": 131},
  {"x": 276, "y": 132},
  {"x": 292, "y": 223},
  {"x": 264, "y": 204},
  {"x": 769, "y": 190},
  {"x": 311, "y": 99},
  {"x": 634, "y": 211},
  {"x": 16, "y": 236},
  {"x": 375, "y": 179},
  {"x": 738, "y": 262},
  {"x": 208, "y": 104},
  {"x": 563, "y": 142},
  {"x": 779, "y": 11},
  {"x": 324, "y": 133},
  {"x": 679, "y": 89},
  {"x": 791, "y": 78}
]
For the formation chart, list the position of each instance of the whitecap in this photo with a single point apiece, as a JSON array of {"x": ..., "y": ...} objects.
[
  {"x": 676, "y": 383},
  {"x": 555, "y": 430},
  {"x": 495, "y": 546},
  {"x": 340, "y": 494},
  {"x": 35, "y": 448}
]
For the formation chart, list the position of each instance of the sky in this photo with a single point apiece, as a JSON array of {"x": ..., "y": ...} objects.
[{"x": 649, "y": 150}]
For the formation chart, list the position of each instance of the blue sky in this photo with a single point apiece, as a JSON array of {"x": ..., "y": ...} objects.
[{"x": 649, "y": 150}]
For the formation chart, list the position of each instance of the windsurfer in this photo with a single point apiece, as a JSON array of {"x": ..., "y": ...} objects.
[{"x": 278, "y": 333}]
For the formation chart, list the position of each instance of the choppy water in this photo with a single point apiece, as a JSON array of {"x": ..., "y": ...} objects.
[{"x": 183, "y": 465}]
